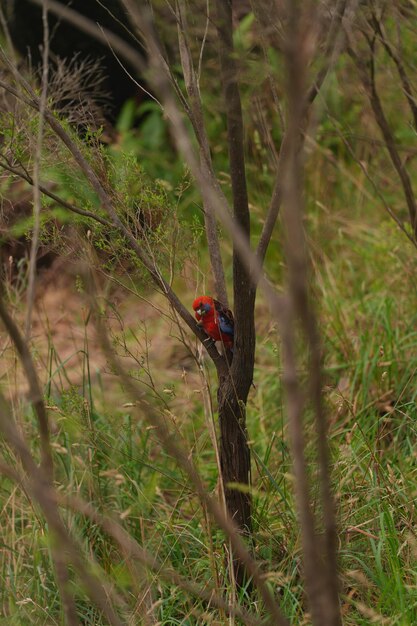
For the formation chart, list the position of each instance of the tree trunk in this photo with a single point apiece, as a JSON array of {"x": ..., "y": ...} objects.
[
  {"x": 234, "y": 454},
  {"x": 234, "y": 451}
]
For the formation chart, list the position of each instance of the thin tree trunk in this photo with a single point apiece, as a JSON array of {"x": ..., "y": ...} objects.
[
  {"x": 234, "y": 453},
  {"x": 235, "y": 461}
]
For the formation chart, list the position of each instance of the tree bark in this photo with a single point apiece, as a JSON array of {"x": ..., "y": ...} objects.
[
  {"x": 234, "y": 453},
  {"x": 235, "y": 462}
]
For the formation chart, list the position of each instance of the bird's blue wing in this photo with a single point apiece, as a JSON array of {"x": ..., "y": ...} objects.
[
  {"x": 226, "y": 326},
  {"x": 225, "y": 316}
]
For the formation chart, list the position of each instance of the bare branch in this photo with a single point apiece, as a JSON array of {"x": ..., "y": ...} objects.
[
  {"x": 37, "y": 154},
  {"x": 233, "y": 109},
  {"x": 101, "y": 34},
  {"x": 46, "y": 192},
  {"x": 194, "y": 101},
  {"x": 395, "y": 56},
  {"x": 366, "y": 173},
  {"x": 334, "y": 46},
  {"x": 35, "y": 393},
  {"x": 367, "y": 75},
  {"x": 320, "y": 564},
  {"x": 275, "y": 204}
]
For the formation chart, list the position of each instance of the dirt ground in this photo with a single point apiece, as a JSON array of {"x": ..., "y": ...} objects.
[{"x": 64, "y": 338}]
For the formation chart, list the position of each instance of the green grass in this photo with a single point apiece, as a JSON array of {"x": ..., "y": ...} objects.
[{"x": 105, "y": 451}]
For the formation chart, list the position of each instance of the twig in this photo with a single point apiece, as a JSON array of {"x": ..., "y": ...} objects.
[
  {"x": 333, "y": 48},
  {"x": 334, "y": 44},
  {"x": 193, "y": 92},
  {"x": 103, "y": 35},
  {"x": 368, "y": 81},
  {"x": 405, "y": 81},
  {"x": 366, "y": 173},
  {"x": 35, "y": 393},
  {"x": 46, "y": 192},
  {"x": 126, "y": 71},
  {"x": 37, "y": 155}
]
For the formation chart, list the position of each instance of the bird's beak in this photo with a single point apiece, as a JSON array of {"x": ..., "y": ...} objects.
[{"x": 200, "y": 311}]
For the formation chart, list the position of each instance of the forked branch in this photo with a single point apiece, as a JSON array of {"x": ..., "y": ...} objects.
[
  {"x": 366, "y": 70},
  {"x": 399, "y": 64},
  {"x": 333, "y": 47}
]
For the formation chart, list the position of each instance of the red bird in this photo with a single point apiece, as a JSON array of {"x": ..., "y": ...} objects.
[{"x": 216, "y": 319}]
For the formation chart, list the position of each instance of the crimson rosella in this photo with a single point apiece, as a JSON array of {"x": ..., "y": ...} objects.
[{"x": 216, "y": 319}]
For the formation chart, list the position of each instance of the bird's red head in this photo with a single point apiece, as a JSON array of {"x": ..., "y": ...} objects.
[{"x": 203, "y": 305}]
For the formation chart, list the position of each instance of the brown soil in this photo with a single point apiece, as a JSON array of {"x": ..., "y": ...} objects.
[{"x": 62, "y": 326}]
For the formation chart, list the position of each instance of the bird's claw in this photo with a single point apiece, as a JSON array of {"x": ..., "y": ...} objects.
[{"x": 209, "y": 341}]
